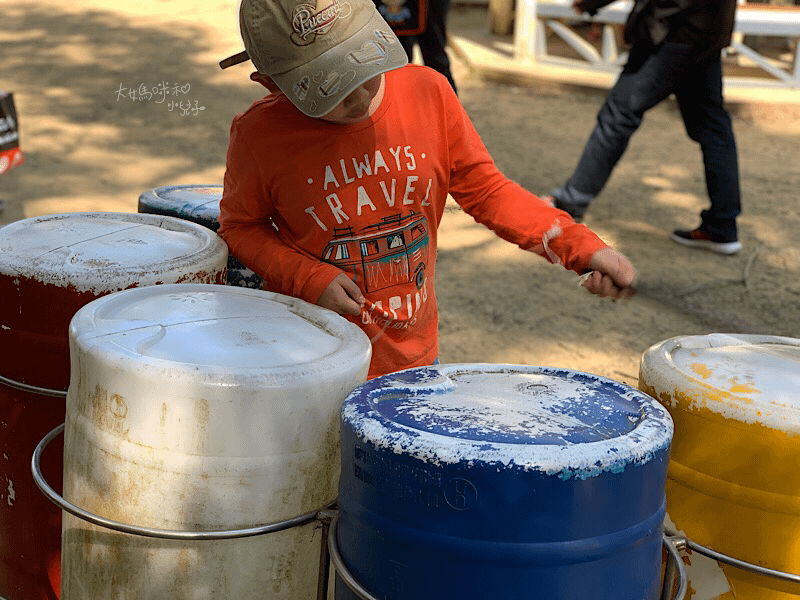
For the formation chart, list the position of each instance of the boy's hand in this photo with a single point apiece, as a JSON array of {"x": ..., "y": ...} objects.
[
  {"x": 578, "y": 6},
  {"x": 612, "y": 275},
  {"x": 342, "y": 296}
]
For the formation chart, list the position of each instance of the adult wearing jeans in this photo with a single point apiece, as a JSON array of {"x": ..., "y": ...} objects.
[{"x": 675, "y": 49}]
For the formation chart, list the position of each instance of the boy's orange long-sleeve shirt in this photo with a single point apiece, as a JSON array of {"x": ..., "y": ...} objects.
[{"x": 305, "y": 200}]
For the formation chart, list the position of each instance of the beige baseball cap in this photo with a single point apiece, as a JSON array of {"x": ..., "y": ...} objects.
[{"x": 317, "y": 51}]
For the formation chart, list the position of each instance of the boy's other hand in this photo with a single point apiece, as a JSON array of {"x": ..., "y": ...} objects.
[
  {"x": 613, "y": 276},
  {"x": 342, "y": 296}
]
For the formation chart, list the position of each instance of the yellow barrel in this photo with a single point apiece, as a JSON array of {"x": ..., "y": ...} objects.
[{"x": 734, "y": 472}]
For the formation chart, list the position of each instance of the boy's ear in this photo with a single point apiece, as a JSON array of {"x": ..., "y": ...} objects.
[{"x": 266, "y": 81}]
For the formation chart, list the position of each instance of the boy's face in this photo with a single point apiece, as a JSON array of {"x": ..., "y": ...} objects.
[{"x": 359, "y": 105}]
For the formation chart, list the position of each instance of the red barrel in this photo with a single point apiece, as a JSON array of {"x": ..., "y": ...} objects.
[{"x": 51, "y": 266}]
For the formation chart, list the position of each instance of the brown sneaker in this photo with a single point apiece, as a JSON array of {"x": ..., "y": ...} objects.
[{"x": 697, "y": 238}]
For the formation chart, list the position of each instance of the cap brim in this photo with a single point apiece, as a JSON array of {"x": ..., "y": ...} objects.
[
  {"x": 234, "y": 60},
  {"x": 319, "y": 85}
]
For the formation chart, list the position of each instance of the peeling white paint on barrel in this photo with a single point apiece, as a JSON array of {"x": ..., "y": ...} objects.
[
  {"x": 495, "y": 404},
  {"x": 733, "y": 480},
  {"x": 50, "y": 266},
  {"x": 502, "y": 481},
  {"x": 54, "y": 264},
  {"x": 203, "y": 408}
]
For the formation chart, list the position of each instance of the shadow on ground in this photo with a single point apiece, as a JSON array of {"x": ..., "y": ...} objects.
[
  {"x": 89, "y": 147},
  {"x": 109, "y": 108}
]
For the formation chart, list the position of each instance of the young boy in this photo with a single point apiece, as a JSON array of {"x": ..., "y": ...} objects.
[{"x": 337, "y": 181}]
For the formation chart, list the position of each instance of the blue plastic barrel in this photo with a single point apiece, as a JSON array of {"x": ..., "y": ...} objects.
[
  {"x": 494, "y": 482},
  {"x": 199, "y": 204}
]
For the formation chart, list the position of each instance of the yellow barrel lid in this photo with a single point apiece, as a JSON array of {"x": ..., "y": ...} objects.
[{"x": 750, "y": 378}]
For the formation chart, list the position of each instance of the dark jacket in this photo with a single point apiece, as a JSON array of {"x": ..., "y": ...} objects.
[{"x": 705, "y": 24}]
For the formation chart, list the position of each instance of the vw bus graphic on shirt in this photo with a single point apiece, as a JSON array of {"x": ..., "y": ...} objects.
[{"x": 391, "y": 252}]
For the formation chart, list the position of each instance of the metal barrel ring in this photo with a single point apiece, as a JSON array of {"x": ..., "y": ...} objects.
[
  {"x": 76, "y": 511},
  {"x": 18, "y": 385}
]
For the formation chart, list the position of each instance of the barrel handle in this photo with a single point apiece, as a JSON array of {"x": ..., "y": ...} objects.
[
  {"x": 684, "y": 542},
  {"x": 32, "y": 389},
  {"x": 166, "y": 534}
]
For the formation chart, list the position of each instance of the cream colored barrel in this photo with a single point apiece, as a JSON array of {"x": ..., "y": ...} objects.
[
  {"x": 202, "y": 408},
  {"x": 734, "y": 473}
]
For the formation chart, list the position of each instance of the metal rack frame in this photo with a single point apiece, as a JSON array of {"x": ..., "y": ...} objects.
[
  {"x": 682, "y": 542},
  {"x": 32, "y": 389},
  {"x": 329, "y": 552}
]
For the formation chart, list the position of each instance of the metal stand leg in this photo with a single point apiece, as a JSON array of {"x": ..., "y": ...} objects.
[
  {"x": 674, "y": 567},
  {"x": 325, "y": 517},
  {"x": 669, "y": 580}
]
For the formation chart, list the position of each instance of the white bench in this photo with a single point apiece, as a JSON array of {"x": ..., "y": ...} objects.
[{"x": 530, "y": 41}]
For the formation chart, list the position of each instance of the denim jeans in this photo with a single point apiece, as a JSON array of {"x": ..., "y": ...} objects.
[{"x": 650, "y": 76}]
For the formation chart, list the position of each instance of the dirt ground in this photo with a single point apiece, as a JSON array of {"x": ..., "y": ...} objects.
[{"x": 90, "y": 147}]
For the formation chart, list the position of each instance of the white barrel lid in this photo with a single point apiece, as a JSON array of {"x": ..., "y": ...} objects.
[
  {"x": 746, "y": 377},
  {"x": 218, "y": 333},
  {"x": 100, "y": 252},
  {"x": 564, "y": 423}
]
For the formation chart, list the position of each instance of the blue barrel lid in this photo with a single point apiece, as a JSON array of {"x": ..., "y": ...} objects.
[
  {"x": 561, "y": 422},
  {"x": 193, "y": 201},
  {"x": 199, "y": 204}
]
